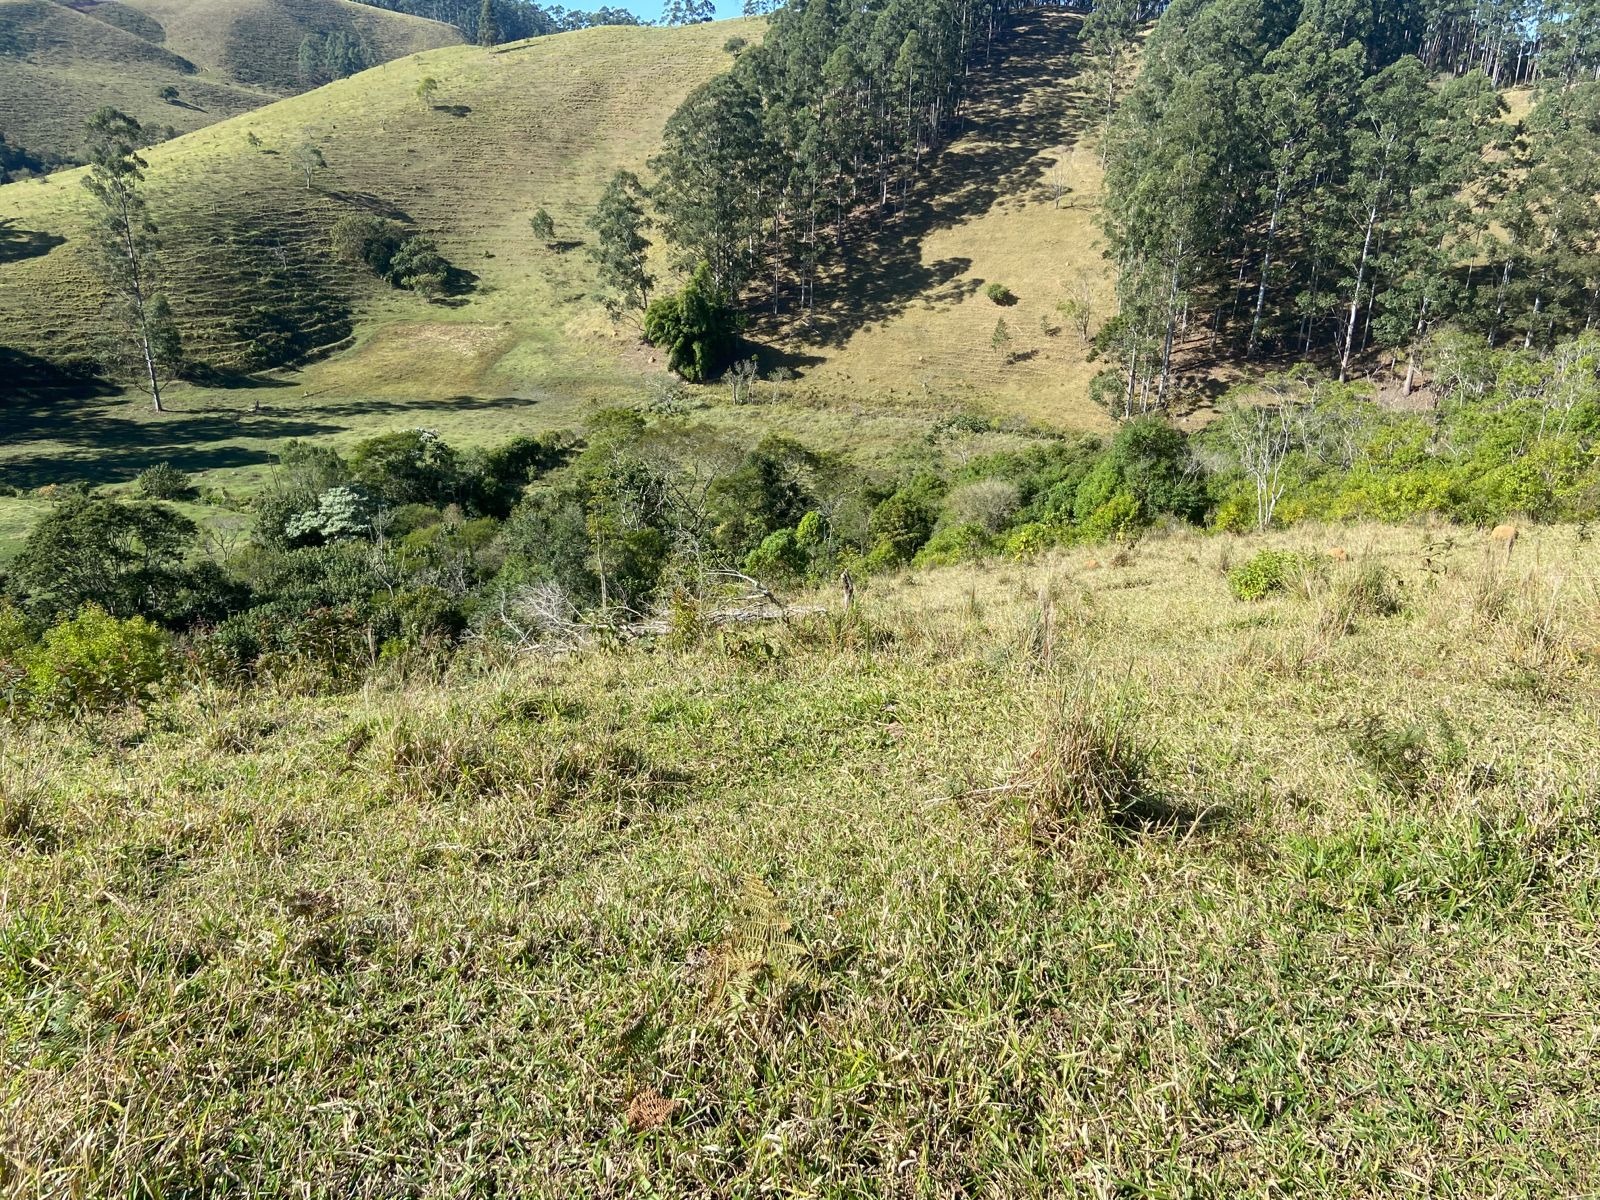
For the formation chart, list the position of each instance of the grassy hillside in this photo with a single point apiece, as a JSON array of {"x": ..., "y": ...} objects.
[
  {"x": 900, "y": 340},
  {"x": 834, "y": 906},
  {"x": 257, "y": 41},
  {"x": 58, "y": 64},
  {"x": 537, "y": 123}
]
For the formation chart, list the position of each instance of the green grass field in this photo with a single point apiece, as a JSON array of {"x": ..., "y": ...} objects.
[{"x": 831, "y": 907}]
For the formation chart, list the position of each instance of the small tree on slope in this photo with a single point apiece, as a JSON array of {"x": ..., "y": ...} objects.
[{"x": 142, "y": 337}]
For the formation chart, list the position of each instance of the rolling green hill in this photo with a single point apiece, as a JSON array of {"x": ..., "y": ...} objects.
[
  {"x": 59, "y": 63},
  {"x": 537, "y": 123},
  {"x": 899, "y": 339},
  {"x": 542, "y": 123},
  {"x": 256, "y": 41}
]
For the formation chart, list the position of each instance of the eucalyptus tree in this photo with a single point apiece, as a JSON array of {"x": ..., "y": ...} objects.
[
  {"x": 620, "y": 248},
  {"x": 142, "y": 339}
]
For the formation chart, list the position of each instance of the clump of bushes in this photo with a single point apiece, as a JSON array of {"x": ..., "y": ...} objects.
[
  {"x": 1264, "y": 573},
  {"x": 91, "y": 662},
  {"x": 385, "y": 248},
  {"x": 1000, "y": 294},
  {"x": 391, "y": 553},
  {"x": 163, "y": 482},
  {"x": 697, "y": 327}
]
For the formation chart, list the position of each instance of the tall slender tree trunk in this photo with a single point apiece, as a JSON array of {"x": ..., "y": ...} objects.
[
  {"x": 1355, "y": 297},
  {"x": 1500, "y": 303},
  {"x": 137, "y": 289},
  {"x": 1266, "y": 265},
  {"x": 1166, "y": 351}
]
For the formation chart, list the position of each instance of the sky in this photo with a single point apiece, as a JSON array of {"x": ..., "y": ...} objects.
[{"x": 650, "y": 10}]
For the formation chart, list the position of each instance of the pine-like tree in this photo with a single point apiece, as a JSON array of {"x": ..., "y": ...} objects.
[
  {"x": 142, "y": 336},
  {"x": 488, "y": 25}
]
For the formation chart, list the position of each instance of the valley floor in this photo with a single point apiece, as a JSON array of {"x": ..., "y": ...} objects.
[{"x": 822, "y": 907}]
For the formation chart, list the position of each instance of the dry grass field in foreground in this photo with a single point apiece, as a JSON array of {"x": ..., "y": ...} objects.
[{"x": 1017, "y": 880}]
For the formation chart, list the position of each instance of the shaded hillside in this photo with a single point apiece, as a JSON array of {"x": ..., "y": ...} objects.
[{"x": 256, "y": 42}]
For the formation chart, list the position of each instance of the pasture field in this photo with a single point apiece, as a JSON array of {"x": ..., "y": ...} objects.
[{"x": 1055, "y": 878}]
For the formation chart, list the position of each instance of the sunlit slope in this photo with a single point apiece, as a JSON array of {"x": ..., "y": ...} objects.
[
  {"x": 58, "y": 64},
  {"x": 257, "y": 42},
  {"x": 541, "y": 123}
]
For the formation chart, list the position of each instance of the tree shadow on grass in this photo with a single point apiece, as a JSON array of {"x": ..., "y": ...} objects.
[
  {"x": 17, "y": 243},
  {"x": 401, "y": 408},
  {"x": 375, "y": 205},
  {"x": 227, "y": 379},
  {"x": 27, "y": 378},
  {"x": 458, "y": 284},
  {"x": 99, "y": 441},
  {"x": 771, "y": 358}
]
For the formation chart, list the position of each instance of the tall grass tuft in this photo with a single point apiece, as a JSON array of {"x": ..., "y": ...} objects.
[{"x": 1091, "y": 762}]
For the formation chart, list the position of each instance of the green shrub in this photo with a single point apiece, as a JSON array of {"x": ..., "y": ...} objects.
[
  {"x": 494, "y": 480},
  {"x": 779, "y": 555},
  {"x": 96, "y": 662},
  {"x": 1151, "y": 460},
  {"x": 126, "y": 557},
  {"x": 419, "y": 266},
  {"x": 953, "y": 544},
  {"x": 367, "y": 240},
  {"x": 1118, "y": 519},
  {"x": 163, "y": 482},
  {"x": 1268, "y": 571},
  {"x": 1000, "y": 294},
  {"x": 899, "y": 526},
  {"x": 1025, "y": 541},
  {"x": 410, "y": 466},
  {"x": 697, "y": 327},
  {"x": 812, "y": 532},
  {"x": 18, "y": 636}
]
